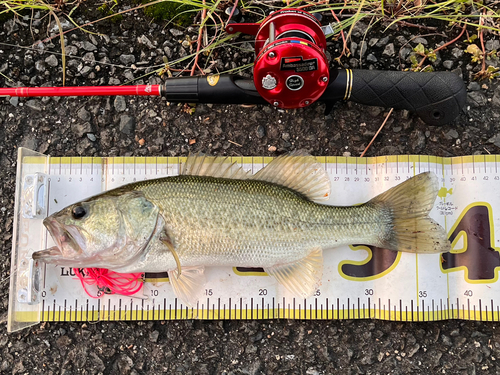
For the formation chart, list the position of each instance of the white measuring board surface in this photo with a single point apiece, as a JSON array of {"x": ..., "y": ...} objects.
[{"x": 358, "y": 281}]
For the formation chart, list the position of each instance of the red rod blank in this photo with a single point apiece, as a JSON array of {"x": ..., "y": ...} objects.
[{"x": 153, "y": 90}]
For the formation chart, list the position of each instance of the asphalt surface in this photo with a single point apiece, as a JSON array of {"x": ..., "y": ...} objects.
[{"x": 117, "y": 126}]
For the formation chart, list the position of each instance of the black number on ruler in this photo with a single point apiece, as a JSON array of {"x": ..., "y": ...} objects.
[
  {"x": 262, "y": 292},
  {"x": 317, "y": 293},
  {"x": 154, "y": 292},
  {"x": 422, "y": 293},
  {"x": 368, "y": 292},
  {"x": 468, "y": 293},
  {"x": 397, "y": 178},
  {"x": 44, "y": 293},
  {"x": 209, "y": 292}
]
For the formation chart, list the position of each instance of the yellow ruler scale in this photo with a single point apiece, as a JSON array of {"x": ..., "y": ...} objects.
[{"x": 359, "y": 282}]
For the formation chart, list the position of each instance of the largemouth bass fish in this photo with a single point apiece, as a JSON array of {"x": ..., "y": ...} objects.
[{"x": 216, "y": 214}]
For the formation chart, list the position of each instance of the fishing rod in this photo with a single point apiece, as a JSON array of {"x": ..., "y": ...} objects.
[{"x": 291, "y": 70}]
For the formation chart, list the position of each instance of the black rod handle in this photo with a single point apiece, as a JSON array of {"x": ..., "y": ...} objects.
[
  {"x": 437, "y": 97},
  {"x": 217, "y": 89}
]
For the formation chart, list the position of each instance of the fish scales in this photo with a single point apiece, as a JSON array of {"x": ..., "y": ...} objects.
[{"x": 253, "y": 223}]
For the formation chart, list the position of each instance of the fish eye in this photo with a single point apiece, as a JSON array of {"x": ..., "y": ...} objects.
[{"x": 78, "y": 212}]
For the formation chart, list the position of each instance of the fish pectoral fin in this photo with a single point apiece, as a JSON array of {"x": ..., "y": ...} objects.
[
  {"x": 189, "y": 285},
  {"x": 301, "y": 277},
  {"x": 168, "y": 243}
]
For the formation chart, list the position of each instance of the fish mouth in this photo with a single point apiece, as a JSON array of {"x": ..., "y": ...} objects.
[
  {"x": 47, "y": 254},
  {"x": 68, "y": 240}
]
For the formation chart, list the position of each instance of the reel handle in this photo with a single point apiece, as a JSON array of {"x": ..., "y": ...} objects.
[{"x": 438, "y": 97}]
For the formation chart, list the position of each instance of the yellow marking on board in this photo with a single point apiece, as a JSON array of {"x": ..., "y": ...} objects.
[{"x": 249, "y": 273}]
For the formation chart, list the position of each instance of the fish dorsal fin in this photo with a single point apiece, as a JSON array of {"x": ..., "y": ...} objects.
[
  {"x": 189, "y": 286},
  {"x": 298, "y": 171},
  {"x": 213, "y": 166},
  {"x": 301, "y": 277}
]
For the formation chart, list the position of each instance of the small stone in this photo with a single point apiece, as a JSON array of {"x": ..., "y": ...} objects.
[
  {"x": 51, "y": 61},
  {"x": 34, "y": 104},
  {"x": 91, "y": 137},
  {"x": 168, "y": 52},
  {"x": 492, "y": 45},
  {"x": 477, "y": 99},
  {"x": 127, "y": 124},
  {"x": 120, "y": 104},
  {"x": 89, "y": 58},
  {"x": 63, "y": 341},
  {"x": 127, "y": 59},
  {"x": 11, "y": 26},
  {"x": 261, "y": 131},
  {"x": 474, "y": 86},
  {"x": 40, "y": 66},
  {"x": 354, "y": 47},
  {"x": 86, "y": 71},
  {"x": 371, "y": 58},
  {"x": 401, "y": 40},
  {"x": 87, "y": 46},
  {"x": 144, "y": 40},
  {"x": 389, "y": 50},
  {"x": 83, "y": 114},
  {"x": 448, "y": 64},
  {"x": 383, "y": 41},
  {"x": 452, "y": 134},
  {"x": 363, "y": 49},
  {"x": 285, "y": 136},
  {"x": 417, "y": 141},
  {"x": 457, "y": 52},
  {"x": 176, "y": 32},
  {"x": 81, "y": 129},
  {"x": 124, "y": 364},
  {"x": 14, "y": 100},
  {"x": 495, "y": 101},
  {"x": 153, "y": 336},
  {"x": 374, "y": 111},
  {"x": 419, "y": 40},
  {"x": 372, "y": 42},
  {"x": 271, "y": 149}
]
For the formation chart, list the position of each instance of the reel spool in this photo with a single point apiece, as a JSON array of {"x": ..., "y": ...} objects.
[{"x": 291, "y": 68}]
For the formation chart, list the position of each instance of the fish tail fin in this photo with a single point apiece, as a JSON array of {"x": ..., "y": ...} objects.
[{"x": 411, "y": 229}]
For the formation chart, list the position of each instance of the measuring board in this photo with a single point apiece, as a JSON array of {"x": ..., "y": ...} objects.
[{"x": 358, "y": 281}]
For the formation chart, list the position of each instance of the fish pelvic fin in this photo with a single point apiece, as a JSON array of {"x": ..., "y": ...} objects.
[
  {"x": 188, "y": 286},
  {"x": 301, "y": 277},
  {"x": 411, "y": 229}
]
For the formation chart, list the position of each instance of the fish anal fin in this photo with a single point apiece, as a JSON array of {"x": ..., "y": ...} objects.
[
  {"x": 188, "y": 286},
  {"x": 298, "y": 171},
  {"x": 302, "y": 277}
]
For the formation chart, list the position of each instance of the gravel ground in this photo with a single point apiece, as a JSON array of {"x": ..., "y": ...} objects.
[{"x": 150, "y": 127}]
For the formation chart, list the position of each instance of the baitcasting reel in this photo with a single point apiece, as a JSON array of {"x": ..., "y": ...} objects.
[{"x": 291, "y": 68}]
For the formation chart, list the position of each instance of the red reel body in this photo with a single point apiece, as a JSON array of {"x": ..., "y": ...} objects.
[{"x": 291, "y": 68}]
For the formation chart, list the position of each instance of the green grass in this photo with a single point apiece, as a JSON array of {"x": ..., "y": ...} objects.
[{"x": 451, "y": 16}]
